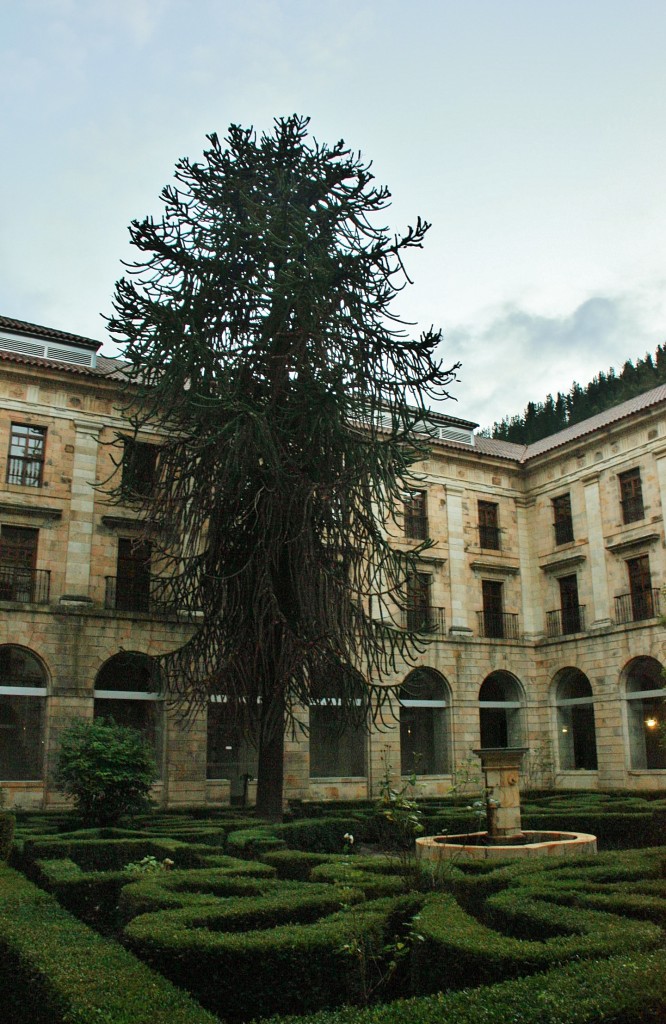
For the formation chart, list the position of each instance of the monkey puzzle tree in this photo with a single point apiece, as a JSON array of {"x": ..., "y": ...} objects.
[{"x": 260, "y": 338}]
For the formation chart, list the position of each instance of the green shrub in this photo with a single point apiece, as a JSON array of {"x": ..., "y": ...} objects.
[
  {"x": 7, "y": 822},
  {"x": 55, "y": 970},
  {"x": 630, "y": 989},
  {"x": 299, "y": 965},
  {"x": 107, "y": 768}
]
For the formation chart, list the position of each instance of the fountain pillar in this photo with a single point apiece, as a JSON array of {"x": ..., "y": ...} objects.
[{"x": 501, "y": 768}]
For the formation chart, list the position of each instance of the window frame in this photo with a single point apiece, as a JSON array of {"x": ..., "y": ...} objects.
[
  {"x": 415, "y": 514},
  {"x": 562, "y": 519},
  {"x": 631, "y": 496},
  {"x": 26, "y": 457},
  {"x": 489, "y": 528}
]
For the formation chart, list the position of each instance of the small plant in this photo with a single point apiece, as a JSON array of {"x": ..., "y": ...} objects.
[
  {"x": 107, "y": 768},
  {"x": 149, "y": 865},
  {"x": 399, "y": 818}
]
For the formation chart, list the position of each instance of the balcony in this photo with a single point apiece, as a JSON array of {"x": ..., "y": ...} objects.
[
  {"x": 497, "y": 625},
  {"x": 426, "y": 620},
  {"x": 27, "y": 586},
  {"x": 632, "y": 509},
  {"x": 564, "y": 621},
  {"x": 489, "y": 537},
  {"x": 416, "y": 526},
  {"x": 637, "y": 606},
  {"x": 151, "y": 594}
]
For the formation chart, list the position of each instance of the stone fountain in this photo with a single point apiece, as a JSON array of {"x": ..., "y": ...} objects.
[{"x": 504, "y": 837}]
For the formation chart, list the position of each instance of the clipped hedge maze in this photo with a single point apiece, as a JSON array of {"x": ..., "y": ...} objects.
[{"x": 248, "y": 927}]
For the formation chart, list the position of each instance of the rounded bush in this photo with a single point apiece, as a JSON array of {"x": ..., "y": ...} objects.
[{"x": 107, "y": 768}]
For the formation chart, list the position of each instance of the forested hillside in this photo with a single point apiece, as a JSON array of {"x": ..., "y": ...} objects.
[{"x": 541, "y": 419}]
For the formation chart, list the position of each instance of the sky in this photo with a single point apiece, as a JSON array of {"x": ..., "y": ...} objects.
[{"x": 529, "y": 133}]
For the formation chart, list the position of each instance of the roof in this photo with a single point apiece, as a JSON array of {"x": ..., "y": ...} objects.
[
  {"x": 8, "y": 323},
  {"x": 106, "y": 366},
  {"x": 523, "y": 453}
]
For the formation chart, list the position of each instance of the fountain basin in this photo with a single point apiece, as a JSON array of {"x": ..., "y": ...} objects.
[{"x": 480, "y": 846}]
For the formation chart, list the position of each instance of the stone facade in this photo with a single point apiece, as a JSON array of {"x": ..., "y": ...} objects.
[{"x": 541, "y": 591}]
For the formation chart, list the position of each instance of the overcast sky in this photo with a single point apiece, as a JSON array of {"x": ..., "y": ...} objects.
[{"x": 531, "y": 133}]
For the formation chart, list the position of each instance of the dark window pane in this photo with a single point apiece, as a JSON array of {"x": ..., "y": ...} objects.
[{"x": 631, "y": 496}]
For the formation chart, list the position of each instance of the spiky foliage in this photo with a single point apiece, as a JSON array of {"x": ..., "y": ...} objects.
[{"x": 261, "y": 340}]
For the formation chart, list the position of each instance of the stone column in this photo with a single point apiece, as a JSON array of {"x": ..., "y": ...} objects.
[
  {"x": 501, "y": 768},
  {"x": 593, "y": 512},
  {"x": 457, "y": 562},
  {"x": 531, "y": 605},
  {"x": 79, "y": 542}
]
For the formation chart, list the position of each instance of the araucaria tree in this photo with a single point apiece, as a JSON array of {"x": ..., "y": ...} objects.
[{"x": 261, "y": 340}]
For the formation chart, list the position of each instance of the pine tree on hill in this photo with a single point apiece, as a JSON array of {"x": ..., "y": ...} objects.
[{"x": 606, "y": 389}]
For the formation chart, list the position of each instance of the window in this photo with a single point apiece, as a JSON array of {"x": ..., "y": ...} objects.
[
  {"x": 229, "y": 756},
  {"x": 576, "y": 732},
  {"x": 646, "y": 707},
  {"x": 416, "y": 515},
  {"x": 631, "y": 496},
  {"x": 562, "y": 520},
  {"x": 492, "y": 594},
  {"x": 489, "y": 534},
  {"x": 640, "y": 589},
  {"x": 22, "y": 703},
  {"x": 500, "y": 715},
  {"x": 126, "y": 691},
  {"x": 132, "y": 583},
  {"x": 19, "y": 580},
  {"x": 569, "y": 606},
  {"x": 26, "y": 455},
  {"x": 139, "y": 468},
  {"x": 337, "y": 734},
  {"x": 424, "y": 724},
  {"x": 419, "y": 610}
]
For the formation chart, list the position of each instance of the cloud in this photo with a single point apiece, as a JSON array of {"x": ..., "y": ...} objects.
[{"x": 514, "y": 356}]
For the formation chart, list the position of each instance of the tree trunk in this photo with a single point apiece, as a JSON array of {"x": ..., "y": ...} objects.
[{"x": 270, "y": 776}]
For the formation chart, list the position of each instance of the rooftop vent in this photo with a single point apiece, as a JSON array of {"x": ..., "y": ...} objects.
[{"x": 43, "y": 350}]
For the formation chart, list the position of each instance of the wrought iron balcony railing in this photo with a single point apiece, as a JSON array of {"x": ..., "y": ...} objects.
[
  {"x": 431, "y": 620},
  {"x": 563, "y": 531},
  {"x": 152, "y": 594},
  {"x": 632, "y": 509},
  {"x": 489, "y": 537},
  {"x": 635, "y": 607},
  {"x": 563, "y": 621},
  {"x": 28, "y": 586},
  {"x": 416, "y": 526},
  {"x": 498, "y": 625}
]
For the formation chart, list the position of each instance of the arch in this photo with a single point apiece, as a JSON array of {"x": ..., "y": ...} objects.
[
  {"x": 23, "y": 689},
  {"x": 338, "y": 737},
  {"x": 645, "y": 701},
  {"x": 576, "y": 730},
  {"x": 127, "y": 692},
  {"x": 501, "y": 701},
  {"x": 425, "y": 723}
]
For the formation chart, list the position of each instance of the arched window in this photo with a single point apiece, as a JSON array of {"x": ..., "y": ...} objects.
[
  {"x": 22, "y": 702},
  {"x": 337, "y": 733},
  {"x": 126, "y": 691},
  {"x": 576, "y": 733},
  {"x": 229, "y": 755},
  {"x": 500, "y": 711},
  {"x": 425, "y": 747},
  {"x": 646, "y": 713}
]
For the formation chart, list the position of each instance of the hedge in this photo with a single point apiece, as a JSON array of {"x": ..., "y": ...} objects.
[
  {"x": 55, "y": 970},
  {"x": 458, "y": 950},
  {"x": 172, "y": 890},
  {"x": 629, "y": 989},
  {"x": 287, "y": 968},
  {"x": 7, "y": 822}
]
